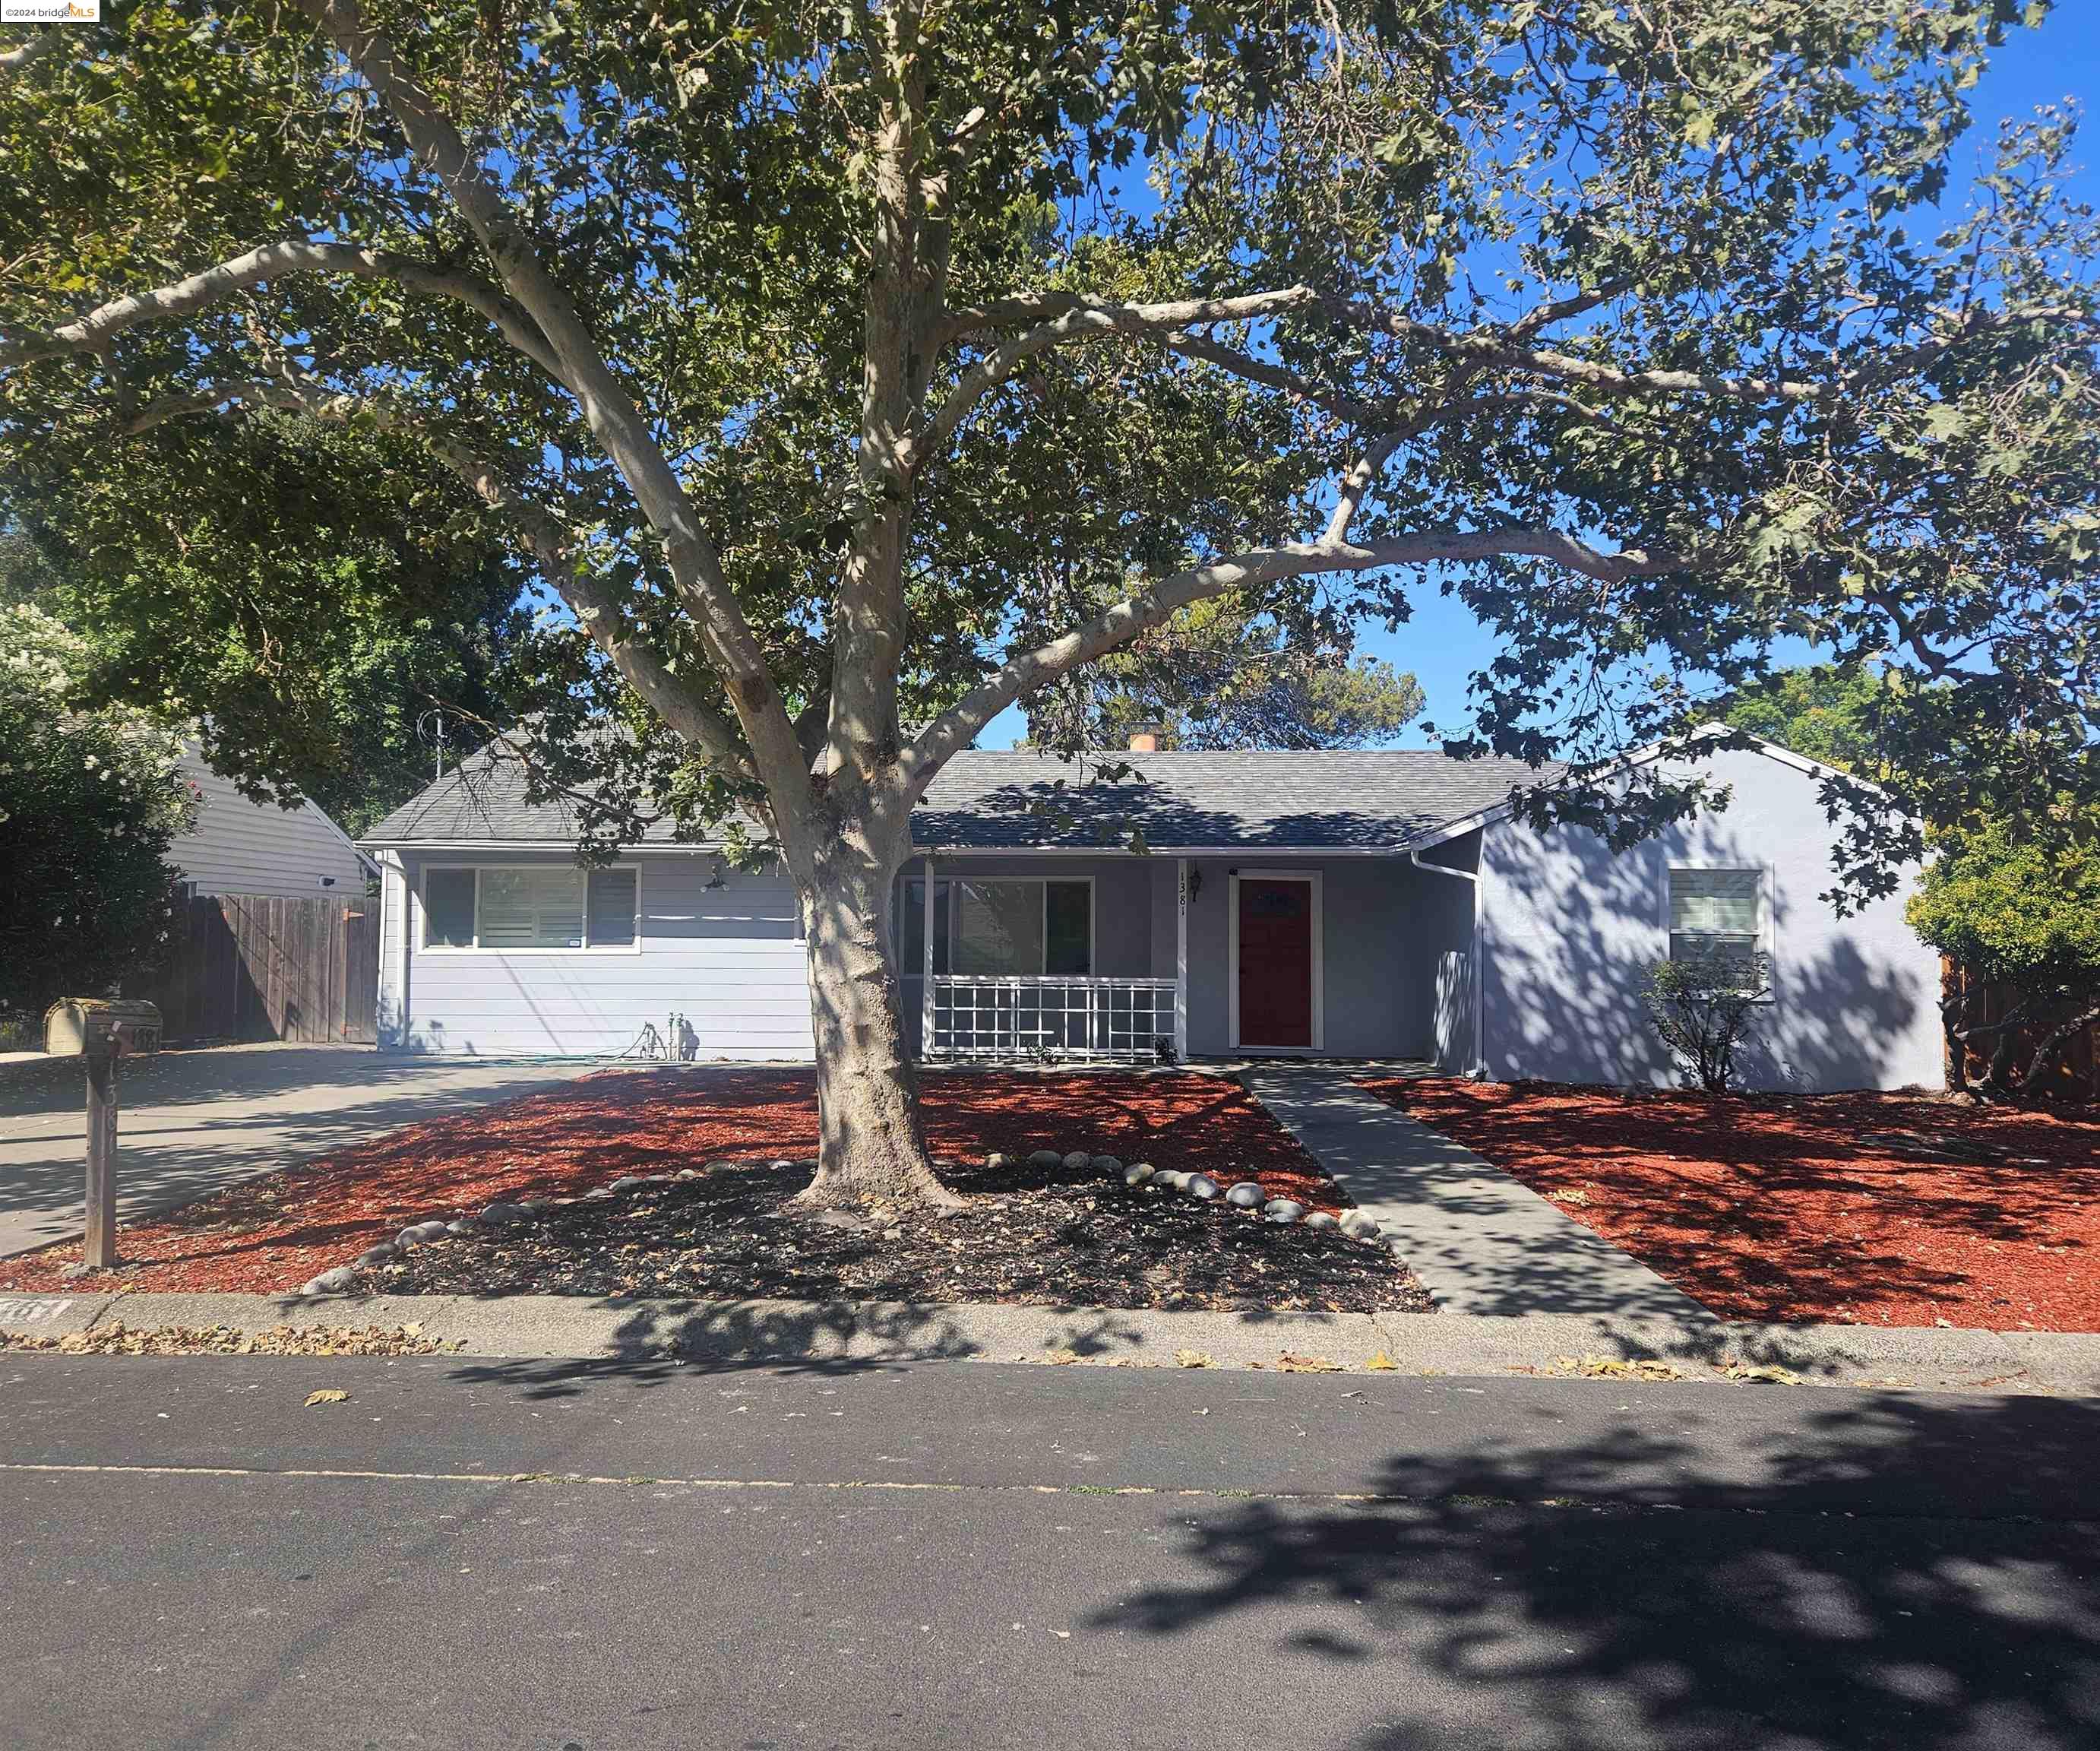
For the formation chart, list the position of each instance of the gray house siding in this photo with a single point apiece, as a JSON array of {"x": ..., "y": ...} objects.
[
  {"x": 237, "y": 846},
  {"x": 1571, "y": 929},
  {"x": 728, "y": 957}
]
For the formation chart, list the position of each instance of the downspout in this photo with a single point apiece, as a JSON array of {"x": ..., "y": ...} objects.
[{"x": 1479, "y": 1069}]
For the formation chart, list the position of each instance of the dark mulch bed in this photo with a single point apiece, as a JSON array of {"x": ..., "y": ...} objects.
[
  {"x": 1870, "y": 1208},
  {"x": 1029, "y": 1236},
  {"x": 1025, "y": 1235}
]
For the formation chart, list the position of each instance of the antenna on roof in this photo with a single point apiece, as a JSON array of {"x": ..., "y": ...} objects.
[{"x": 430, "y": 727}]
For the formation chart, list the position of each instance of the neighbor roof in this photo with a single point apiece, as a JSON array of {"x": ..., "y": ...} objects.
[{"x": 1019, "y": 800}]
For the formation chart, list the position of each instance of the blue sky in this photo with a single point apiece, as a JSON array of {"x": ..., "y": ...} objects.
[{"x": 1444, "y": 645}]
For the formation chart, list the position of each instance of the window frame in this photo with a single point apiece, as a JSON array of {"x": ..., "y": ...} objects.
[
  {"x": 424, "y": 945},
  {"x": 1768, "y": 884},
  {"x": 916, "y": 969}
]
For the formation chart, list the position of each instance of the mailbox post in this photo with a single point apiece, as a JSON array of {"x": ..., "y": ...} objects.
[
  {"x": 100, "y": 1252},
  {"x": 101, "y": 1031}
]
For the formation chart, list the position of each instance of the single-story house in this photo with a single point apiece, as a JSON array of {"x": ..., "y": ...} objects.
[
  {"x": 236, "y": 845},
  {"x": 1372, "y": 904}
]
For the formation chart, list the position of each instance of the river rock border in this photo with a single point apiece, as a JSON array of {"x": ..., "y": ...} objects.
[{"x": 1248, "y": 1197}]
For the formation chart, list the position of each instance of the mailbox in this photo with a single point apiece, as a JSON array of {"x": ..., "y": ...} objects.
[{"x": 75, "y": 1027}]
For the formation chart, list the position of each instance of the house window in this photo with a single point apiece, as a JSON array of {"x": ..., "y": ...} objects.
[
  {"x": 1718, "y": 916},
  {"x": 508, "y": 908},
  {"x": 1002, "y": 927},
  {"x": 448, "y": 909},
  {"x": 611, "y": 909}
]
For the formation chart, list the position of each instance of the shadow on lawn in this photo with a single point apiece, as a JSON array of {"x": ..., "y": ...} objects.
[
  {"x": 1790, "y": 1207},
  {"x": 1913, "y": 1572}
]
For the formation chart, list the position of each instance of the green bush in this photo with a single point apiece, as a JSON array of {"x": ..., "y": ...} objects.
[
  {"x": 1701, "y": 1006},
  {"x": 2022, "y": 912},
  {"x": 88, "y": 804}
]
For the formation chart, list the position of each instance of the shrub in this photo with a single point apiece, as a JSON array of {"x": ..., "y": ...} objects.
[
  {"x": 90, "y": 801},
  {"x": 1701, "y": 1006},
  {"x": 2021, "y": 913}
]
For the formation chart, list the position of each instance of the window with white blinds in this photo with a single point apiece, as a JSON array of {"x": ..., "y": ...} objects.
[
  {"x": 530, "y": 908},
  {"x": 1717, "y": 915},
  {"x": 500, "y": 908}
]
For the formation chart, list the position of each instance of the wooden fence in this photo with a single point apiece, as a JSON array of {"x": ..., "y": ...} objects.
[
  {"x": 247, "y": 966},
  {"x": 2077, "y": 1077}
]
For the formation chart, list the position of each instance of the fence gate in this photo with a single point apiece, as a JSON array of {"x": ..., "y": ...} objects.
[{"x": 255, "y": 966}]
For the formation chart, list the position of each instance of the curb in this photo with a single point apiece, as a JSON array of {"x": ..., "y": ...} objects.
[{"x": 835, "y": 1332}]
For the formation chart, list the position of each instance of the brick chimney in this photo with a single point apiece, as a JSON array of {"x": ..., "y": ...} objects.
[{"x": 1144, "y": 741}]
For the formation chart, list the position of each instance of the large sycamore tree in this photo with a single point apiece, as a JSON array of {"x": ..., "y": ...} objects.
[{"x": 854, "y": 371}]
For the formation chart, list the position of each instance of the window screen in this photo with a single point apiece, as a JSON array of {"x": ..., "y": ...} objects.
[
  {"x": 1068, "y": 928},
  {"x": 611, "y": 900},
  {"x": 999, "y": 927},
  {"x": 1717, "y": 914},
  {"x": 532, "y": 909},
  {"x": 448, "y": 909},
  {"x": 1020, "y": 926},
  {"x": 911, "y": 931}
]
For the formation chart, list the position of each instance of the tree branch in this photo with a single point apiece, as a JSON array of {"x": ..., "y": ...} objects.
[
  {"x": 1491, "y": 347},
  {"x": 1293, "y": 383},
  {"x": 543, "y": 533},
  {"x": 1019, "y": 676},
  {"x": 695, "y": 566},
  {"x": 268, "y": 261},
  {"x": 15, "y": 60},
  {"x": 1560, "y": 309},
  {"x": 1089, "y": 318}
]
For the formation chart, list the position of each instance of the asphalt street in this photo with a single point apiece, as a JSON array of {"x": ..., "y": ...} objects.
[{"x": 560, "y": 1554}]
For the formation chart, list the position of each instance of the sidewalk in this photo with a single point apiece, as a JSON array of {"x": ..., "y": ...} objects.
[
  {"x": 190, "y": 1122},
  {"x": 850, "y": 1333},
  {"x": 1480, "y": 1240}
]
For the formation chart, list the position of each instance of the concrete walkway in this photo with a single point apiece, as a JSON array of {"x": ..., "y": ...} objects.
[
  {"x": 189, "y": 1122},
  {"x": 1480, "y": 1241}
]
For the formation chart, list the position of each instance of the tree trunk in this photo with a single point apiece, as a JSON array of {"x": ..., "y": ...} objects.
[
  {"x": 872, "y": 1144},
  {"x": 2049, "y": 1051}
]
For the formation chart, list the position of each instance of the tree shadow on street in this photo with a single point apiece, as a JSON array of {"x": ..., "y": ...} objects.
[{"x": 1906, "y": 1571}]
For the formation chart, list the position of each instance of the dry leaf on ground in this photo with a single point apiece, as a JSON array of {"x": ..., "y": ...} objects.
[
  {"x": 1763, "y": 1374},
  {"x": 1618, "y": 1368},
  {"x": 119, "y": 1339},
  {"x": 1191, "y": 1359},
  {"x": 326, "y": 1395},
  {"x": 1290, "y": 1363},
  {"x": 1378, "y": 1362}
]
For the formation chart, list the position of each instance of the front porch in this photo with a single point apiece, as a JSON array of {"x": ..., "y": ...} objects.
[{"x": 1158, "y": 956}]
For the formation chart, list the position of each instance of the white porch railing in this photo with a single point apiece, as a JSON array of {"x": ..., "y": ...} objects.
[{"x": 985, "y": 1015}]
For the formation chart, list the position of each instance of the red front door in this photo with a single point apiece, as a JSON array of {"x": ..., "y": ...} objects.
[{"x": 1276, "y": 962}]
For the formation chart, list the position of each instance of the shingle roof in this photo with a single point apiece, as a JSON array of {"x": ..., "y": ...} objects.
[
  {"x": 1211, "y": 801},
  {"x": 482, "y": 799},
  {"x": 987, "y": 799}
]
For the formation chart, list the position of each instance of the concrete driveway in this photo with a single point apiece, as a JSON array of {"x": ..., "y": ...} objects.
[{"x": 189, "y": 1122}]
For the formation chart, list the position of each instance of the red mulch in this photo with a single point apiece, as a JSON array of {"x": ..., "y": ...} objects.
[
  {"x": 1817, "y": 1207},
  {"x": 272, "y": 1233}
]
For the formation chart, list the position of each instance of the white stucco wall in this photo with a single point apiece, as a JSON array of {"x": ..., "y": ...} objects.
[{"x": 1571, "y": 929}]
